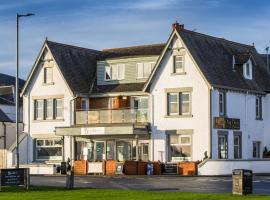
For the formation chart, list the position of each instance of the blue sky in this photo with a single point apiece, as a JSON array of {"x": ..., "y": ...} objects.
[{"x": 102, "y": 24}]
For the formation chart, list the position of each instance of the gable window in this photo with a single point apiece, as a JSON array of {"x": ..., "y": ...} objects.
[
  {"x": 247, "y": 70},
  {"x": 179, "y": 103},
  {"x": 115, "y": 72},
  {"x": 144, "y": 69},
  {"x": 222, "y": 103},
  {"x": 178, "y": 64},
  {"x": 48, "y": 75},
  {"x": 259, "y": 107}
]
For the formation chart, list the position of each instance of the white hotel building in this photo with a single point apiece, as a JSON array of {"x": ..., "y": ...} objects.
[{"x": 196, "y": 97}]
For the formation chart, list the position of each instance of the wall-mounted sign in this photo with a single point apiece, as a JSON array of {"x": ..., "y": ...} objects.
[
  {"x": 15, "y": 177},
  {"x": 226, "y": 123},
  {"x": 93, "y": 131}
]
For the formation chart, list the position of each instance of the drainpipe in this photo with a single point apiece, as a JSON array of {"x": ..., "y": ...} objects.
[
  {"x": 152, "y": 124},
  {"x": 211, "y": 122}
]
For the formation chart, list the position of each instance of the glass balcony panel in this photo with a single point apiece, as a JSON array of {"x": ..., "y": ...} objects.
[
  {"x": 117, "y": 116},
  {"x": 129, "y": 115},
  {"x": 93, "y": 117},
  {"x": 142, "y": 115},
  {"x": 105, "y": 116},
  {"x": 81, "y": 117}
]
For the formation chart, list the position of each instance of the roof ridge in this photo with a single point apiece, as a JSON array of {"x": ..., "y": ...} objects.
[
  {"x": 73, "y": 46},
  {"x": 218, "y": 38},
  {"x": 135, "y": 46}
]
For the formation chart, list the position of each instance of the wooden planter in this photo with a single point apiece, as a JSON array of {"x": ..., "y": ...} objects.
[
  {"x": 80, "y": 167},
  {"x": 131, "y": 167},
  {"x": 142, "y": 168},
  {"x": 110, "y": 167},
  {"x": 188, "y": 168}
]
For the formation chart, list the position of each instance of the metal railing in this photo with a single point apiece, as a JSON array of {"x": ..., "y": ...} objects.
[{"x": 126, "y": 115}]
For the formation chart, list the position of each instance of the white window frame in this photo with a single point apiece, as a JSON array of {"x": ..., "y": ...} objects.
[
  {"x": 38, "y": 109},
  {"x": 180, "y": 103},
  {"x": 120, "y": 72},
  {"x": 222, "y": 103},
  {"x": 239, "y": 145},
  {"x": 143, "y": 65},
  {"x": 51, "y": 109},
  {"x": 247, "y": 65},
  {"x": 258, "y": 107},
  {"x": 44, "y": 145},
  {"x": 175, "y": 68},
  {"x": 48, "y": 80},
  {"x": 226, "y": 145},
  {"x": 182, "y": 144},
  {"x": 58, "y": 107},
  {"x": 175, "y": 102},
  {"x": 189, "y": 103}
]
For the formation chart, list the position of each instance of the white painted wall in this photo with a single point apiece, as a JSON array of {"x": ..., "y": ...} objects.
[
  {"x": 199, "y": 121},
  {"x": 36, "y": 88},
  {"x": 241, "y": 106},
  {"x": 225, "y": 167}
]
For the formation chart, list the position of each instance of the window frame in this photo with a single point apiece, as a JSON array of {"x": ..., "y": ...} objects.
[
  {"x": 44, "y": 145},
  {"x": 180, "y": 144},
  {"x": 222, "y": 103},
  {"x": 175, "y": 64},
  {"x": 247, "y": 67},
  {"x": 46, "y": 108},
  {"x": 239, "y": 146},
  {"x": 120, "y": 72},
  {"x": 224, "y": 135},
  {"x": 258, "y": 147},
  {"x": 56, "y": 107},
  {"x": 143, "y": 65},
  {"x": 258, "y": 107},
  {"x": 36, "y": 109},
  {"x": 45, "y": 78},
  {"x": 180, "y": 103}
]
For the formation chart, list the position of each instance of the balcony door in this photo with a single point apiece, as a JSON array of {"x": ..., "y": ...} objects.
[{"x": 100, "y": 151}]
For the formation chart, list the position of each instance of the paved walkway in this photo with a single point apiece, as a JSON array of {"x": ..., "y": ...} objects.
[{"x": 155, "y": 183}]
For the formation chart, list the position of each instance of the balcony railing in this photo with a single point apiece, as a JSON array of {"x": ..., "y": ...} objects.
[{"x": 127, "y": 115}]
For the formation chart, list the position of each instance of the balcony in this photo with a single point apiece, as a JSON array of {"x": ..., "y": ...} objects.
[{"x": 108, "y": 116}]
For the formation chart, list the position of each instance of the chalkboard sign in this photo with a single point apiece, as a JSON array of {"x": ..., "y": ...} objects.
[
  {"x": 15, "y": 177},
  {"x": 119, "y": 168}
]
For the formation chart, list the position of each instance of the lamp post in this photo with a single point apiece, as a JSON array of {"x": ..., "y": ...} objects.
[{"x": 17, "y": 86}]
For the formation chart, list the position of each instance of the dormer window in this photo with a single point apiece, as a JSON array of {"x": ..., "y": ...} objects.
[
  {"x": 115, "y": 72},
  {"x": 247, "y": 70}
]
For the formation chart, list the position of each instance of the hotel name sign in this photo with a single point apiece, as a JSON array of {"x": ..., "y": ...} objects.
[{"x": 226, "y": 123}]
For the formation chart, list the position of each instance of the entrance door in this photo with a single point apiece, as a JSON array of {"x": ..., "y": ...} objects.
[
  {"x": 144, "y": 152},
  {"x": 100, "y": 150}
]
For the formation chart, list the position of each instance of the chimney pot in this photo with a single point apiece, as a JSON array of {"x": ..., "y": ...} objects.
[{"x": 176, "y": 25}]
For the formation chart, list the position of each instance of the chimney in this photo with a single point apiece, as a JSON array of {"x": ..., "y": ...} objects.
[{"x": 178, "y": 26}]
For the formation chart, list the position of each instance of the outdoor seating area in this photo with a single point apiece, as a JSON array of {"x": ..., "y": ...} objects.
[{"x": 129, "y": 167}]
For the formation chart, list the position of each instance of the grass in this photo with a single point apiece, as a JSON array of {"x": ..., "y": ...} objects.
[{"x": 40, "y": 193}]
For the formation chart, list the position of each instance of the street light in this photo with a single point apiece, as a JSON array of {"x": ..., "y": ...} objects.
[{"x": 17, "y": 87}]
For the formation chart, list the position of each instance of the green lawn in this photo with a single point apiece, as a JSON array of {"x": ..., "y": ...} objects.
[{"x": 39, "y": 193}]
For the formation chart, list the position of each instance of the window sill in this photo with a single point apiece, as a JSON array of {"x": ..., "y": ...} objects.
[
  {"x": 47, "y": 120},
  {"x": 45, "y": 84},
  {"x": 178, "y": 116},
  {"x": 179, "y": 73},
  {"x": 260, "y": 119}
]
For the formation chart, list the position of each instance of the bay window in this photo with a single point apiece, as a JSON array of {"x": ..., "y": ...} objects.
[
  {"x": 48, "y": 149},
  {"x": 180, "y": 147}
]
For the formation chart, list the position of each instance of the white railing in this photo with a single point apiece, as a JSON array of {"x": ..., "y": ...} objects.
[{"x": 126, "y": 115}]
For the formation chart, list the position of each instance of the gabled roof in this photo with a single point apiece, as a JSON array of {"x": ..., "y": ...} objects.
[
  {"x": 4, "y": 117},
  {"x": 142, "y": 50},
  {"x": 214, "y": 57},
  {"x": 78, "y": 65},
  {"x": 7, "y": 80}
]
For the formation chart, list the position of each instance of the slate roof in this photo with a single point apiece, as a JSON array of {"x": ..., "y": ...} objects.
[
  {"x": 127, "y": 87},
  {"x": 77, "y": 64},
  {"x": 142, "y": 50},
  {"x": 214, "y": 57},
  {"x": 264, "y": 57},
  {"x": 6, "y": 101},
  {"x": 7, "y": 80},
  {"x": 4, "y": 117}
]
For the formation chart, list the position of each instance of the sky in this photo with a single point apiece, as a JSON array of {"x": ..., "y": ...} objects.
[{"x": 99, "y": 24}]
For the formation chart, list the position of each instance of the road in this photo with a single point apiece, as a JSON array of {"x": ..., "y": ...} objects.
[{"x": 155, "y": 183}]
